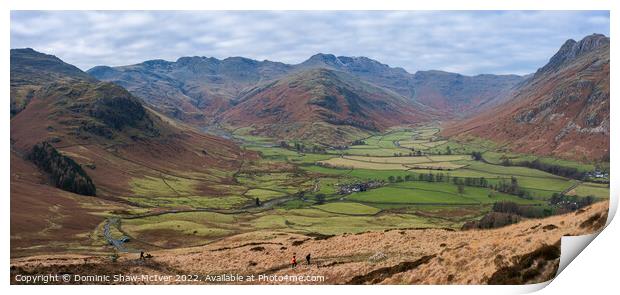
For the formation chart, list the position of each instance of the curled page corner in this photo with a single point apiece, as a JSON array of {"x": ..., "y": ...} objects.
[
  {"x": 531, "y": 288},
  {"x": 571, "y": 246}
]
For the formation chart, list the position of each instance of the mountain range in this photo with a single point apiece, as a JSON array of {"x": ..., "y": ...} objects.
[
  {"x": 196, "y": 86},
  {"x": 561, "y": 110},
  {"x": 201, "y": 90},
  {"x": 112, "y": 131}
]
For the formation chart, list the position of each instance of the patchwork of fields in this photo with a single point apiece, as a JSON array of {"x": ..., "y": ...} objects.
[{"x": 424, "y": 183}]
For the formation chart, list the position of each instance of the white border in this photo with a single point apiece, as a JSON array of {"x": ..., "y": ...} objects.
[{"x": 596, "y": 272}]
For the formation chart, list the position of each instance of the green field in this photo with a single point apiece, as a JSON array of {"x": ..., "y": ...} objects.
[
  {"x": 419, "y": 192},
  {"x": 348, "y": 208},
  {"x": 591, "y": 189},
  {"x": 300, "y": 190}
]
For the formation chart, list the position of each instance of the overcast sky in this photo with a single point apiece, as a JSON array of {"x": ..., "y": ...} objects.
[{"x": 471, "y": 42}]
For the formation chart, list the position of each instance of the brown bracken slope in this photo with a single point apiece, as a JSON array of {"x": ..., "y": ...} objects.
[
  {"x": 523, "y": 253},
  {"x": 323, "y": 105},
  {"x": 561, "y": 110},
  {"x": 115, "y": 140}
]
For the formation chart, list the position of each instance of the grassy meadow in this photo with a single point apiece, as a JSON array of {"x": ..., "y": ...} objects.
[{"x": 299, "y": 189}]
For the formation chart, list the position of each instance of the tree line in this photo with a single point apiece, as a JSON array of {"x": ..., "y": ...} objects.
[
  {"x": 569, "y": 172},
  {"x": 510, "y": 186},
  {"x": 64, "y": 172}
]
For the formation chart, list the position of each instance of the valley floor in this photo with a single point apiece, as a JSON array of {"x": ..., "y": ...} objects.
[{"x": 388, "y": 209}]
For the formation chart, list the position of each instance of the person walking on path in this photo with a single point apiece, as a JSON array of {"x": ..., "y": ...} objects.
[
  {"x": 294, "y": 262},
  {"x": 308, "y": 259}
]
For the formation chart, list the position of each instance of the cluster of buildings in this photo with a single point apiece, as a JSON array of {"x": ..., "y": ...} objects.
[
  {"x": 597, "y": 174},
  {"x": 348, "y": 188}
]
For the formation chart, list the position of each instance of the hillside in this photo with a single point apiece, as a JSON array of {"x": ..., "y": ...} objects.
[
  {"x": 450, "y": 93},
  {"x": 462, "y": 95},
  {"x": 31, "y": 69},
  {"x": 562, "y": 110},
  {"x": 323, "y": 105},
  {"x": 194, "y": 89},
  {"x": 79, "y": 135},
  {"x": 402, "y": 256}
]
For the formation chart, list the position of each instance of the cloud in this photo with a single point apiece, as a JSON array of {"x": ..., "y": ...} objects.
[{"x": 469, "y": 42}]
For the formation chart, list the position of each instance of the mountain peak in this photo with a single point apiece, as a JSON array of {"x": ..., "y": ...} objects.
[
  {"x": 323, "y": 59},
  {"x": 29, "y": 64},
  {"x": 572, "y": 49},
  {"x": 188, "y": 60},
  {"x": 156, "y": 63}
]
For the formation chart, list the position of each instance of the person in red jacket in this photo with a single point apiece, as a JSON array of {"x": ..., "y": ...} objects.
[{"x": 294, "y": 262}]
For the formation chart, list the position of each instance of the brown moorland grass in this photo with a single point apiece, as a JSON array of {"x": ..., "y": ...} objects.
[{"x": 400, "y": 256}]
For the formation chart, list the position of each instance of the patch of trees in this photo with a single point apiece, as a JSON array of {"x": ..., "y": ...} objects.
[
  {"x": 301, "y": 148},
  {"x": 409, "y": 154},
  {"x": 512, "y": 188},
  {"x": 570, "y": 172},
  {"x": 358, "y": 142},
  {"x": 393, "y": 179},
  {"x": 471, "y": 181},
  {"x": 319, "y": 199},
  {"x": 476, "y": 156},
  {"x": 566, "y": 203},
  {"x": 522, "y": 210},
  {"x": 558, "y": 204},
  {"x": 367, "y": 125},
  {"x": 492, "y": 220},
  {"x": 64, "y": 172}
]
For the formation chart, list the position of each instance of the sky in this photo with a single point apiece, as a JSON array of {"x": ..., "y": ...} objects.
[{"x": 466, "y": 42}]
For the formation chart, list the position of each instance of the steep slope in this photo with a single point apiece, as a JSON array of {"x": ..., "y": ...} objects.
[
  {"x": 322, "y": 105},
  {"x": 561, "y": 110},
  {"x": 79, "y": 135},
  {"x": 524, "y": 253},
  {"x": 194, "y": 89}
]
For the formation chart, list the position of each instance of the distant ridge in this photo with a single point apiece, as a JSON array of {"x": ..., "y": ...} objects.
[{"x": 195, "y": 89}]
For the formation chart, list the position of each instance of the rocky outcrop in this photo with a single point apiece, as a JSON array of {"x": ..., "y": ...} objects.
[
  {"x": 117, "y": 108},
  {"x": 562, "y": 110},
  {"x": 540, "y": 265},
  {"x": 571, "y": 50}
]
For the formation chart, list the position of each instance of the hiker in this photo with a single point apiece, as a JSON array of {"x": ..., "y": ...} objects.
[
  {"x": 308, "y": 259},
  {"x": 141, "y": 255},
  {"x": 294, "y": 262},
  {"x": 257, "y": 202}
]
